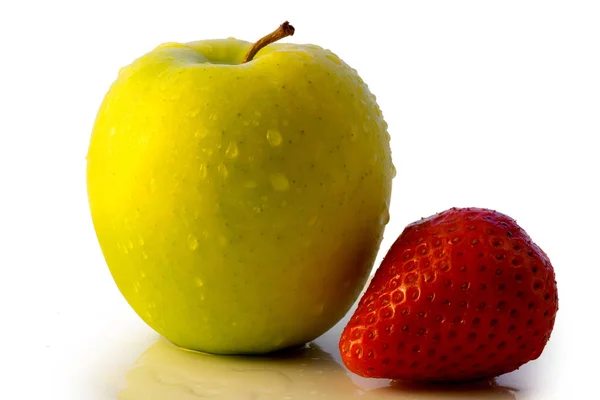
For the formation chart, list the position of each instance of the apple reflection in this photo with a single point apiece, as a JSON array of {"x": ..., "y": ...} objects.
[{"x": 165, "y": 371}]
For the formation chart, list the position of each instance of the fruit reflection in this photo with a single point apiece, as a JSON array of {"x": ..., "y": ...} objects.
[{"x": 165, "y": 371}]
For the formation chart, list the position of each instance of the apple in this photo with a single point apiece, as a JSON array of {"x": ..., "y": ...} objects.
[{"x": 239, "y": 192}]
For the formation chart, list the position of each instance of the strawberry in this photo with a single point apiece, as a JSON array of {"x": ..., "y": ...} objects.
[{"x": 462, "y": 295}]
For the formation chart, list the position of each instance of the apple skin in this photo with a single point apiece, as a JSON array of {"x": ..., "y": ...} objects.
[{"x": 239, "y": 207}]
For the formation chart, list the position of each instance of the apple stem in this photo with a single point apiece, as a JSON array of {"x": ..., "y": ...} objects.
[{"x": 284, "y": 30}]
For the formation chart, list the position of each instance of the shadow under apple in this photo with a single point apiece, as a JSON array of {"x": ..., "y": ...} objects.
[{"x": 165, "y": 371}]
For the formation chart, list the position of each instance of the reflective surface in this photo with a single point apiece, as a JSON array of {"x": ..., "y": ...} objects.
[{"x": 164, "y": 371}]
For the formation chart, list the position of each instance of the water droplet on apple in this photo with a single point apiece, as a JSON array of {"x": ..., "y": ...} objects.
[
  {"x": 334, "y": 58},
  {"x": 232, "y": 150},
  {"x": 279, "y": 182},
  {"x": 319, "y": 309},
  {"x": 250, "y": 184},
  {"x": 393, "y": 171},
  {"x": 302, "y": 54},
  {"x": 192, "y": 242},
  {"x": 152, "y": 185},
  {"x": 313, "y": 221},
  {"x": 385, "y": 217},
  {"x": 141, "y": 240},
  {"x": 202, "y": 172},
  {"x": 200, "y": 133},
  {"x": 136, "y": 287},
  {"x": 274, "y": 137},
  {"x": 223, "y": 170},
  {"x": 213, "y": 117},
  {"x": 145, "y": 257},
  {"x": 112, "y": 131},
  {"x": 222, "y": 241},
  {"x": 198, "y": 282},
  {"x": 167, "y": 45},
  {"x": 193, "y": 113},
  {"x": 353, "y": 133}
]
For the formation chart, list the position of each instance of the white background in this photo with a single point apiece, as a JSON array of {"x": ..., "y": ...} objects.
[{"x": 489, "y": 104}]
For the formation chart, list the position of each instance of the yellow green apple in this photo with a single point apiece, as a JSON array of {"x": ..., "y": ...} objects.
[{"x": 239, "y": 201}]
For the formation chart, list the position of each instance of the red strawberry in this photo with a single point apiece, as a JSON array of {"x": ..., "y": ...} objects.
[{"x": 461, "y": 295}]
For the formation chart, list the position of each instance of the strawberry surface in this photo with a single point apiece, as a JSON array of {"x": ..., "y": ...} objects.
[{"x": 462, "y": 295}]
